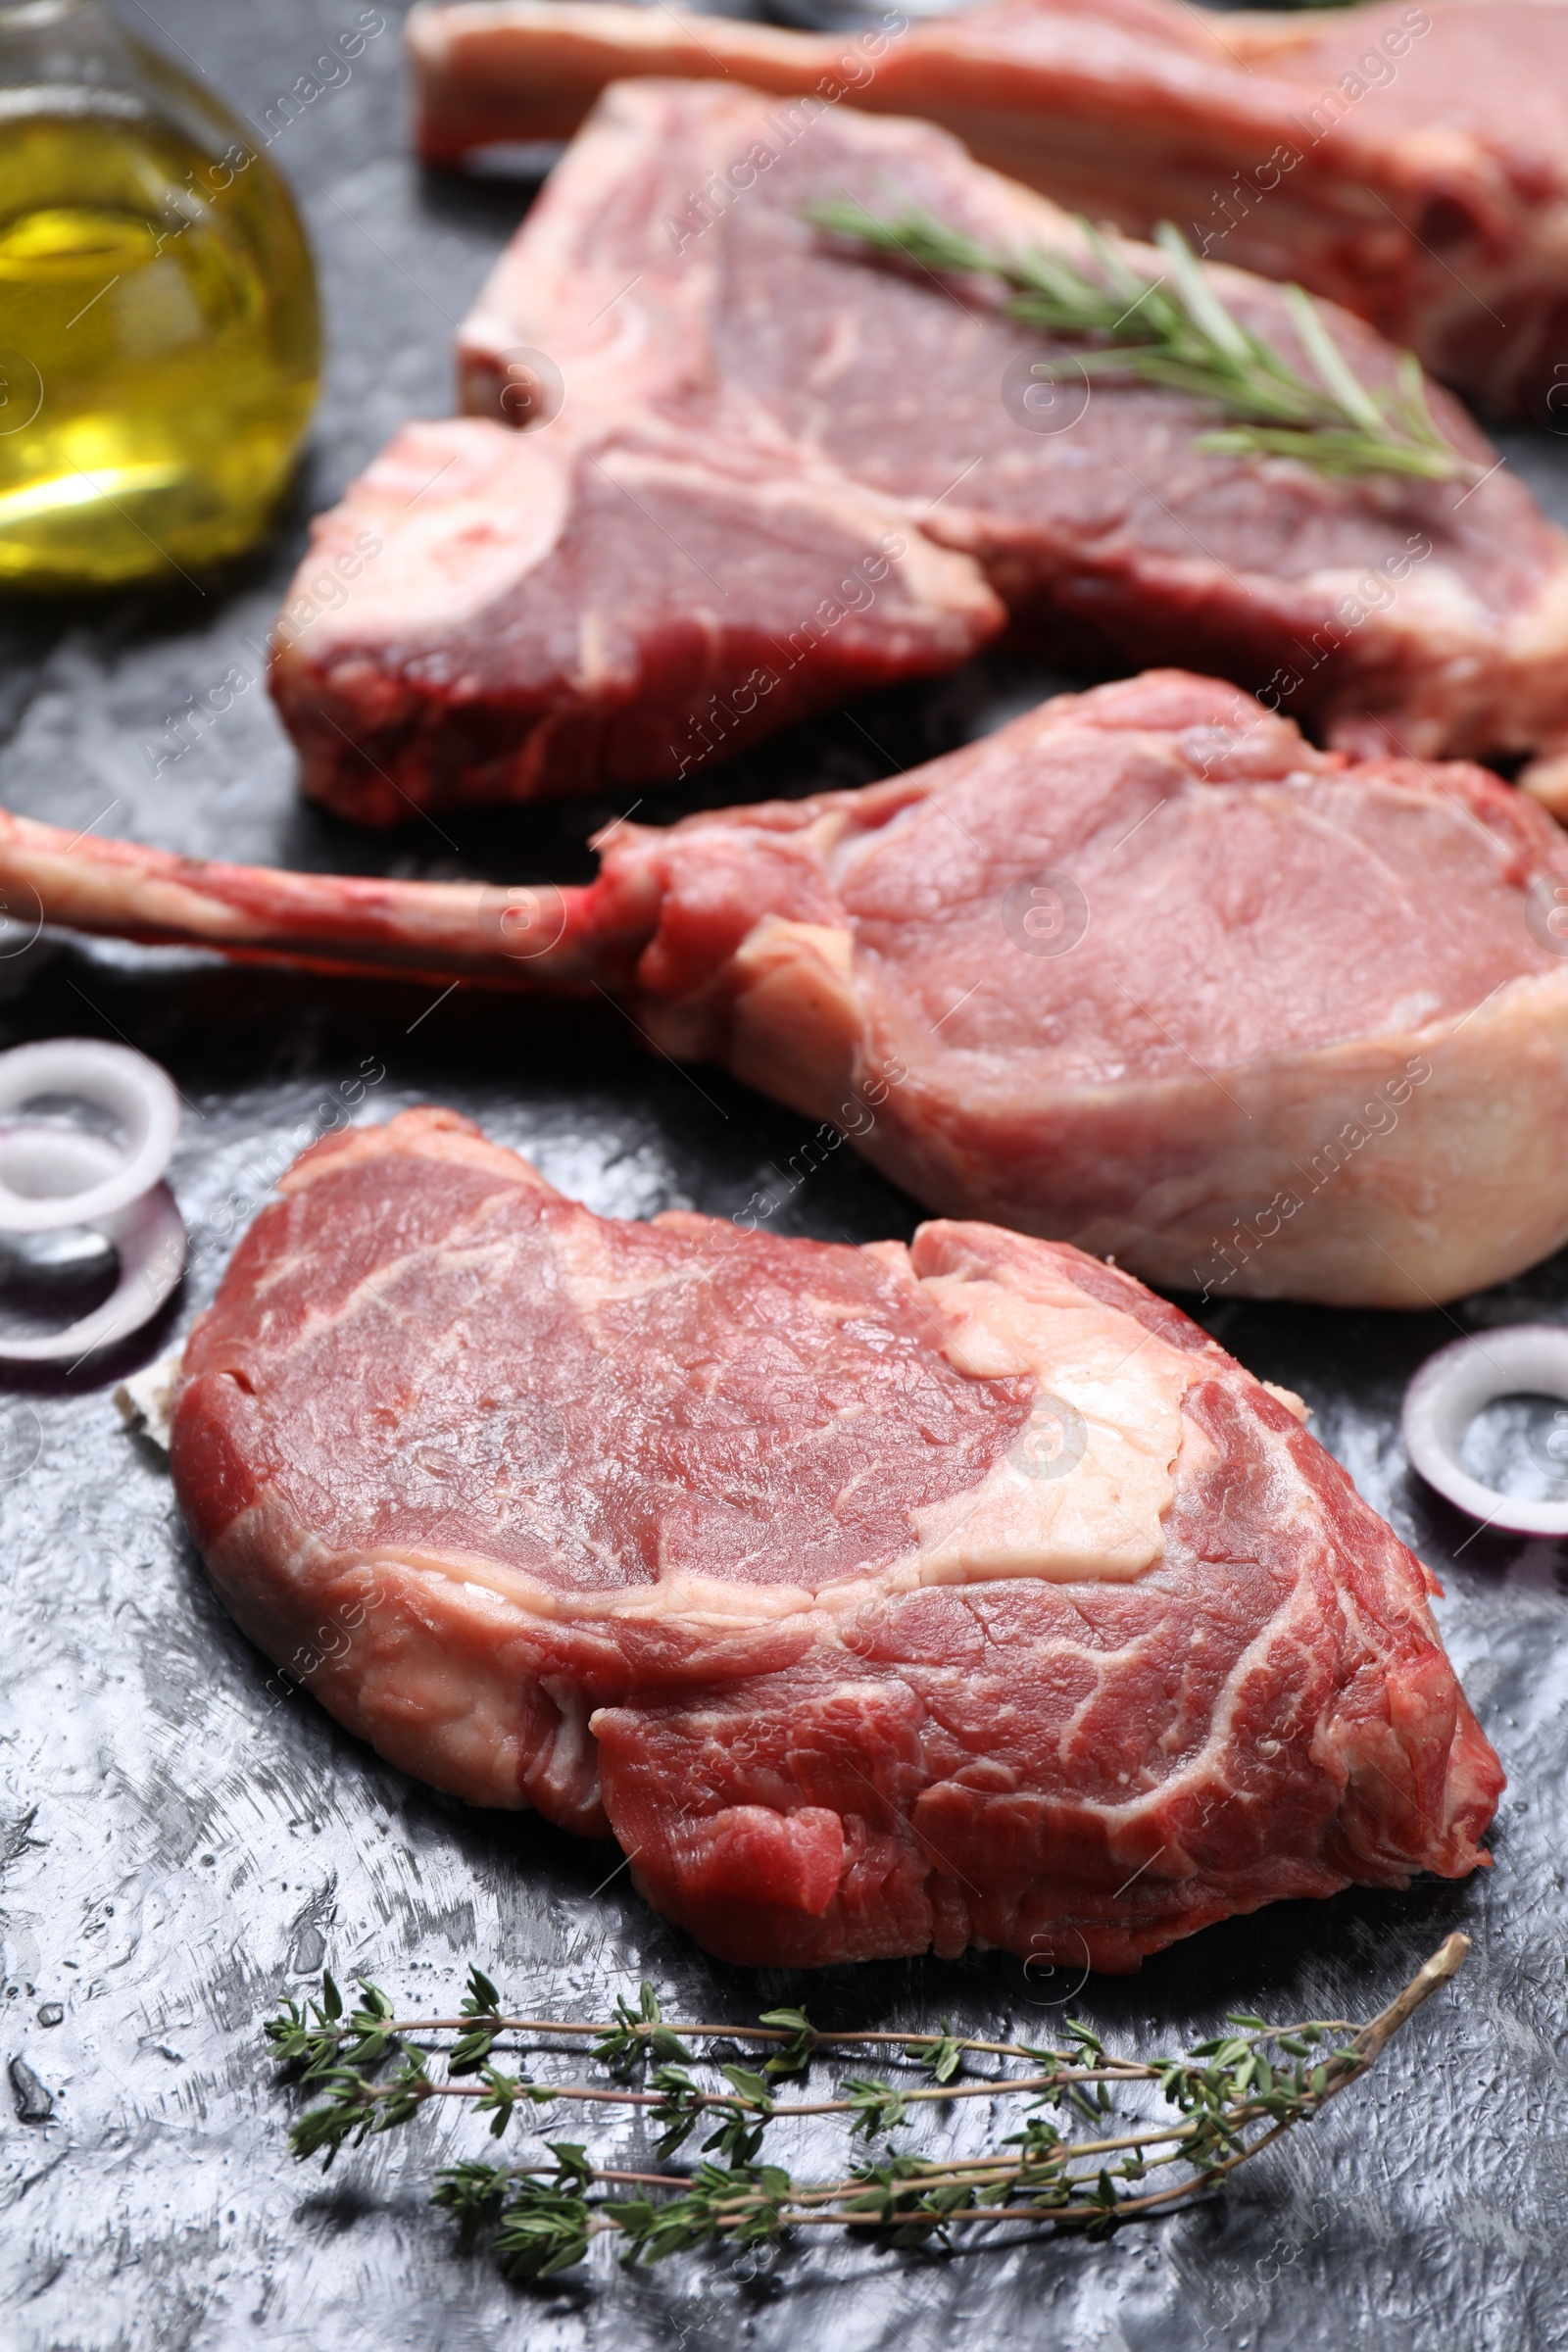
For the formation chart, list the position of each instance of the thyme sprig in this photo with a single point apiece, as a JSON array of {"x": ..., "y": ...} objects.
[
  {"x": 1175, "y": 330},
  {"x": 1076, "y": 2163}
]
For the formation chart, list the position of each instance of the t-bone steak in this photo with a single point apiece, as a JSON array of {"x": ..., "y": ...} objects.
[
  {"x": 1409, "y": 162},
  {"x": 764, "y": 471},
  {"x": 876, "y": 1599},
  {"x": 1143, "y": 971}
]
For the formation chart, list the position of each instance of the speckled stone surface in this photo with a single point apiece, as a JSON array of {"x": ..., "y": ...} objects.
[{"x": 180, "y": 1850}]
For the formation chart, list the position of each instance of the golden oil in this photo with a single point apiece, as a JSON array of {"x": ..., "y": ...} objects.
[{"x": 158, "y": 336}]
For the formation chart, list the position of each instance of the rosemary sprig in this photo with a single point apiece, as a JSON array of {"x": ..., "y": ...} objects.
[
  {"x": 1175, "y": 330},
  {"x": 1080, "y": 2166}
]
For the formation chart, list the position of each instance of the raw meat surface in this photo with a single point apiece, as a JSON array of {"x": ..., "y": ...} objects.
[
  {"x": 551, "y": 610},
  {"x": 1143, "y": 971},
  {"x": 781, "y": 473},
  {"x": 876, "y": 1599},
  {"x": 1408, "y": 161}
]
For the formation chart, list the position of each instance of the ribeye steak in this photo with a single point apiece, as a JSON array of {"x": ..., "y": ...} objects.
[
  {"x": 781, "y": 471},
  {"x": 875, "y": 1598},
  {"x": 1409, "y": 162},
  {"x": 1143, "y": 971}
]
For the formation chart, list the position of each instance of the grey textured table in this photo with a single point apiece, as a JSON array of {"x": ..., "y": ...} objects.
[{"x": 178, "y": 1851}]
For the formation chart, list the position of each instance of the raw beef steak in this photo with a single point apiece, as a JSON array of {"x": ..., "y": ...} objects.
[
  {"x": 1409, "y": 162},
  {"x": 875, "y": 1598},
  {"x": 1143, "y": 971},
  {"x": 781, "y": 471}
]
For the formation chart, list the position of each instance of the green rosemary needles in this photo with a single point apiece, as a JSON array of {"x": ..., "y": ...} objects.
[{"x": 1175, "y": 330}]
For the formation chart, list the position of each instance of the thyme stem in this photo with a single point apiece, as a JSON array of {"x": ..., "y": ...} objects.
[
  {"x": 542, "y": 2218},
  {"x": 593, "y": 2093},
  {"x": 823, "y": 2037}
]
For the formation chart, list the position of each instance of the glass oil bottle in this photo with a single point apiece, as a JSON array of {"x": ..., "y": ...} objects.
[{"x": 158, "y": 333}]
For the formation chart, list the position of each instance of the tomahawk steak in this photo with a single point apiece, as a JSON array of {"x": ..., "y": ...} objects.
[
  {"x": 780, "y": 472},
  {"x": 876, "y": 1599},
  {"x": 1144, "y": 971},
  {"x": 1408, "y": 161}
]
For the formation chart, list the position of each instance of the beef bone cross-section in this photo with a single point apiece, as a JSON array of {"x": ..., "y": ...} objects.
[
  {"x": 1406, "y": 160},
  {"x": 877, "y": 1600},
  {"x": 1143, "y": 971},
  {"x": 763, "y": 471}
]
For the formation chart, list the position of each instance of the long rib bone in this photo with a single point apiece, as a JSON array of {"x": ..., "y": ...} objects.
[{"x": 512, "y": 936}]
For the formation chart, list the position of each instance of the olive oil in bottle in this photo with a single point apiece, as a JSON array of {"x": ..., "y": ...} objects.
[{"x": 158, "y": 336}]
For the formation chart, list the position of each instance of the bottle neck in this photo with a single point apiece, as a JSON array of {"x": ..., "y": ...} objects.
[
  {"x": 44, "y": 16},
  {"x": 63, "y": 44}
]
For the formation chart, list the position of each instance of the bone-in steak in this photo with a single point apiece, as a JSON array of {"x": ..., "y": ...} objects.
[
  {"x": 781, "y": 471},
  {"x": 1406, "y": 160},
  {"x": 1143, "y": 971},
  {"x": 875, "y": 1598}
]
